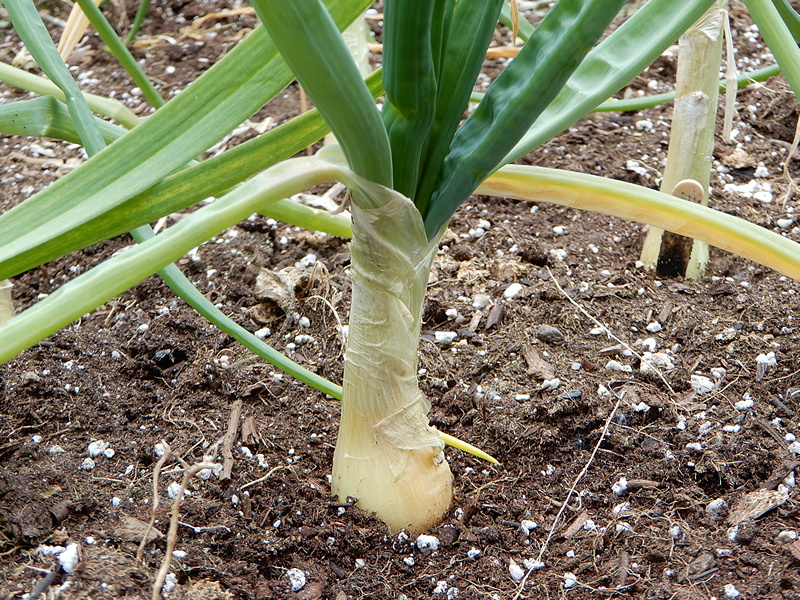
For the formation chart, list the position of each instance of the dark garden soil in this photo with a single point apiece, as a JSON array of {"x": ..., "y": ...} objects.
[{"x": 691, "y": 494}]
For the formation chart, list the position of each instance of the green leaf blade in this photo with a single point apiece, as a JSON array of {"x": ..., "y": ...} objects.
[
  {"x": 610, "y": 66},
  {"x": 312, "y": 46},
  {"x": 409, "y": 80},
  {"x": 516, "y": 98},
  {"x": 470, "y": 33}
]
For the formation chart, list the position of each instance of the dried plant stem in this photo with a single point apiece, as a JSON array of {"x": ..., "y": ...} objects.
[
  {"x": 6, "y": 303},
  {"x": 792, "y": 186},
  {"x": 151, "y": 524},
  {"x": 229, "y": 439},
  {"x": 172, "y": 534}
]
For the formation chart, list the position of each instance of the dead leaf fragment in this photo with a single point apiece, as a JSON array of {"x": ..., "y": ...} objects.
[
  {"x": 495, "y": 315},
  {"x": 132, "y": 530},
  {"x": 794, "y": 548},
  {"x": 250, "y": 431},
  {"x": 704, "y": 564},
  {"x": 756, "y": 504},
  {"x": 537, "y": 366},
  {"x": 739, "y": 159},
  {"x": 577, "y": 525}
]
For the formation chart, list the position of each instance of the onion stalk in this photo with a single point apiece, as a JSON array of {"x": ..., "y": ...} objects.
[{"x": 387, "y": 455}]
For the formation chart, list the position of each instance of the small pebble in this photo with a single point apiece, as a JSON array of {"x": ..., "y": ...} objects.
[
  {"x": 652, "y": 361},
  {"x": 653, "y": 327},
  {"x": 481, "y": 301},
  {"x": 715, "y": 507},
  {"x": 768, "y": 360},
  {"x": 532, "y": 564},
  {"x": 97, "y": 448},
  {"x": 621, "y": 507},
  {"x": 766, "y": 198},
  {"x": 615, "y": 365},
  {"x": 695, "y": 446},
  {"x": 473, "y": 553},
  {"x": 170, "y": 582},
  {"x": 527, "y": 525},
  {"x": 516, "y": 572},
  {"x": 512, "y": 291},
  {"x": 173, "y": 489},
  {"x": 444, "y": 337},
  {"x": 549, "y": 335},
  {"x": 87, "y": 465},
  {"x": 558, "y": 255},
  {"x": 744, "y": 404},
  {"x": 550, "y": 385}
]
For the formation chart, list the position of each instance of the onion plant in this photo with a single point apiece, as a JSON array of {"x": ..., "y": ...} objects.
[{"x": 408, "y": 167}]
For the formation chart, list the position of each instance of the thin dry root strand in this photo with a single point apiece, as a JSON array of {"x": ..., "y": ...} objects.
[
  {"x": 571, "y": 491},
  {"x": 608, "y": 331}
]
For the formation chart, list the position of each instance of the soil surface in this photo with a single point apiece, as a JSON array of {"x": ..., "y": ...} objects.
[{"x": 682, "y": 481}]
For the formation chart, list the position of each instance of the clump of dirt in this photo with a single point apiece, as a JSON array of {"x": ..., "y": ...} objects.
[{"x": 614, "y": 478}]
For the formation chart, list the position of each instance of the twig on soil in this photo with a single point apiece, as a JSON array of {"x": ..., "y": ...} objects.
[
  {"x": 44, "y": 583},
  {"x": 172, "y": 534},
  {"x": 608, "y": 331},
  {"x": 230, "y": 437},
  {"x": 151, "y": 524},
  {"x": 571, "y": 491},
  {"x": 792, "y": 187}
]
